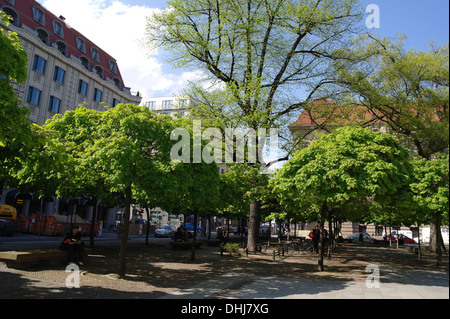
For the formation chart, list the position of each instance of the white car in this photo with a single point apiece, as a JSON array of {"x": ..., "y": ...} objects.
[{"x": 165, "y": 231}]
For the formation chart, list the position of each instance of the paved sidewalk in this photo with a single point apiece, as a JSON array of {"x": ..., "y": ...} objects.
[
  {"x": 239, "y": 284},
  {"x": 411, "y": 285}
]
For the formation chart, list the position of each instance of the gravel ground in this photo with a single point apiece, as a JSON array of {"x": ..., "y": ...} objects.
[{"x": 158, "y": 270}]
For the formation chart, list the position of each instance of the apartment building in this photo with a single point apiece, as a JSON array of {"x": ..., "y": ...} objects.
[
  {"x": 65, "y": 68},
  {"x": 174, "y": 106}
]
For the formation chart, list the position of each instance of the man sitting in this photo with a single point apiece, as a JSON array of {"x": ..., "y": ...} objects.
[{"x": 74, "y": 246}]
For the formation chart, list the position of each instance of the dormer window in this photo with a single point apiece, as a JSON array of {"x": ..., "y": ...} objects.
[
  {"x": 117, "y": 83},
  {"x": 85, "y": 62},
  {"x": 81, "y": 45},
  {"x": 62, "y": 47},
  {"x": 112, "y": 66},
  {"x": 43, "y": 35},
  {"x": 99, "y": 71},
  {"x": 95, "y": 55},
  {"x": 13, "y": 17},
  {"x": 58, "y": 29},
  {"x": 38, "y": 16}
]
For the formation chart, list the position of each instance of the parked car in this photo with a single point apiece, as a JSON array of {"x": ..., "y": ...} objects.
[
  {"x": 365, "y": 236},
  {"x": 165, "y": 231},
  {"x": 190, "y": 227},
  {"x": 403, "y": 239}
]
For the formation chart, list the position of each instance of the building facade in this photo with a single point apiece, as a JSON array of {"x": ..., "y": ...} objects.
[
  {"x": 174, "y": 106},
  {"x": 65, "y": 68}
]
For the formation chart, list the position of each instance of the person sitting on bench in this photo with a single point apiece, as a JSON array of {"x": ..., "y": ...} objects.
[{"x": 74, "y": 246}]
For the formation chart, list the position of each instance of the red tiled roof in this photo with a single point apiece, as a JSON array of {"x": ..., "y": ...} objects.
[
  {"x": 24, "y": 9},
  {"x": 328, "y": 112}
]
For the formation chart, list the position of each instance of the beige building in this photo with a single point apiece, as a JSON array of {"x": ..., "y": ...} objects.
[{"x": 65, "y": 69}]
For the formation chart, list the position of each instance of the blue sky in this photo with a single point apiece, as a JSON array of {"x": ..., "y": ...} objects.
[{"x": 422, "y": 21}]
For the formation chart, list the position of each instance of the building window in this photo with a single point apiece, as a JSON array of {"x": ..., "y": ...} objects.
[
  {"x": 183, "y": 104},
  {"x": 54, "y": 104},
  {"x": 62, "y": 47},
  {"x": 39, "y": 64},
  {"x": 43, "y": 35},
  {"x": 58, "y": 75},
  {"x": 82, "y": 88},
  {"x": 85, "y": 62},
  {"x": 34, "y": 96},
  {"x": 113, "y": 67},
  {"x": 13, "y": 17},
  {"x": 115, "y": 102},
  {"x": 117, "y": 83},
  {"x": 95, "y": 55},
  {"x": 38, "y": 16},
  {"x": 58, "y": 29},
  {"x": 11, "y": 2},
  {"x": 98, "y": 95},
  {"x": 99, "y": 71},
  {"x": 81, "y": 45},
  {"x": 167, "y": 105},
  {"x": 151, "y": 105}
]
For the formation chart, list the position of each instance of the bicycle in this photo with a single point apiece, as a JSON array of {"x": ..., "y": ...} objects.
[{"x": 302, "y": 247}]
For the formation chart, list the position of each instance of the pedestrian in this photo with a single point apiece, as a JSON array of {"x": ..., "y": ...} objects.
[
  {"x": 316, "y": 238},
  {"x": 74, "y": 245}
]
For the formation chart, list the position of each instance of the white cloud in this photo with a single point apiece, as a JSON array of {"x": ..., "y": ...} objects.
[{"x": 118, "y": 28}]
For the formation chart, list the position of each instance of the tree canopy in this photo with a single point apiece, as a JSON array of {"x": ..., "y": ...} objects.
[{"x": 339, "y": 169}]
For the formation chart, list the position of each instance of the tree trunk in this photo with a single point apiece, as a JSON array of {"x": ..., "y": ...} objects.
[
  {"x": 147, "y": 210},
  {"x": 323, "y": 214},
  {"x": 126, "y": 228},
  {"x": 94, "y": 219},
  {"x": 419, "y": 251},
  {"x": 253, "y": 226},
  {"x": 2, "y": 185},
  {"x": 437, "y": 237},
  {"x": 194, "y": 239},
  {"x": 209, "y": 227},
  {"x": 330, "y": 234}
]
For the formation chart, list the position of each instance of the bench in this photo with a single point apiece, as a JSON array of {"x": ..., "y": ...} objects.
[
  {"x": 184, "y": 245},
  {"x": 22, "y": 258}
]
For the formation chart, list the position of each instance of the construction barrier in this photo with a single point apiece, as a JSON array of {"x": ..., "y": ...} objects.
[{"x": 49, "y": 226}]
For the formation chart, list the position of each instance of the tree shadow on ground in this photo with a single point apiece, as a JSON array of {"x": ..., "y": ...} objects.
[{"x": 161, "y": 268}]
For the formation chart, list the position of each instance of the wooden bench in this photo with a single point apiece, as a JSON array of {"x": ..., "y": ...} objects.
[
  {"x": 22, "y": 259},
  {"x": 32, "y": 257}
]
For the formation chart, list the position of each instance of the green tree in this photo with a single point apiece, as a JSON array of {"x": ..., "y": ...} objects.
[
  {"x": 408, "y": 91},
  {"x": 15, "y": 129},
  {"x": 77, "y": 131},
  {"x": 196, "y": 183},
  {"x": 350, "y": 164},
  {"x": 430, "y": 189},
  {"x": 130, "y": 141},
  {"x": 260, "y": 52}
]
